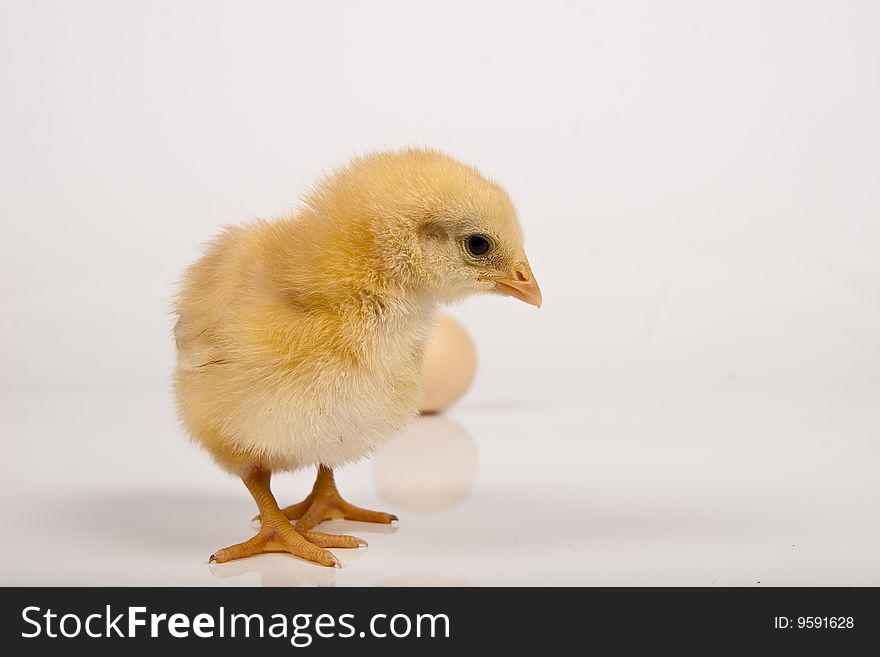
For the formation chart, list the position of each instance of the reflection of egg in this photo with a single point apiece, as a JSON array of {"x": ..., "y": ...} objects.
[
  {"x": 432, "y": 465},
  {"x": 449, "y": 365},
  {"x": 422, "y": 580}
]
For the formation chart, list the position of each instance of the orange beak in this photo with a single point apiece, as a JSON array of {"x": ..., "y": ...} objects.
[{"x": 522, "y": 285}]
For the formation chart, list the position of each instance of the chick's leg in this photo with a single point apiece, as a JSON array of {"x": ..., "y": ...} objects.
[
  {"x": 276, "y": 533},
  {"x": 325, "y": 503}
]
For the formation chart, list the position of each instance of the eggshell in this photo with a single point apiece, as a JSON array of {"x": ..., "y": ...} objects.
[{"x": 449, "y": 365}]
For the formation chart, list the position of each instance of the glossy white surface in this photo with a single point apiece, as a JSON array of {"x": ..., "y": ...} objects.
[
  {"x": 589, "y": 486},
  {"x": 695, "y": 403}
]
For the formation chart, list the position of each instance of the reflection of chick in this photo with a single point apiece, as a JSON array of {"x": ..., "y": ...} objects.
[{"x": 299, "y": 341}]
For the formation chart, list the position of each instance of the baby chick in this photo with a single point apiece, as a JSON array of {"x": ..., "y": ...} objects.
[{"x": 299, "y": 341}]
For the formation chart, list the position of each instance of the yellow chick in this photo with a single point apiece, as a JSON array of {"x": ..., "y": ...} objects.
[{"x": 300, "y": 340}]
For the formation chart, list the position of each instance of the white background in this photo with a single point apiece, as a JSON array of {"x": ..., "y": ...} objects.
[{"x": 698, "y": 183}]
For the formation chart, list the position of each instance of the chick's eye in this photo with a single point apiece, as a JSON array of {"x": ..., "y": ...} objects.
[{"x": 477, "y": 245}]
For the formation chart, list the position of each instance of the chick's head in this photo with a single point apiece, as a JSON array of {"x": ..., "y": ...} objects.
[{"x": 441, "y": 228}]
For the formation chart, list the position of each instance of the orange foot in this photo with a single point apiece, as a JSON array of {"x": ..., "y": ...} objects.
[
  {"x": 325, "y": 503},
  {"x": 277, "y": 535}
]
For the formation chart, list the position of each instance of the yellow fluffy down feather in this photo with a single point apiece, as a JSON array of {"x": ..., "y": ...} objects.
[{"x": 299, "y": 340}]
